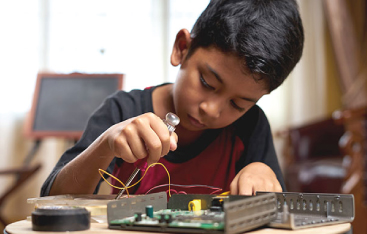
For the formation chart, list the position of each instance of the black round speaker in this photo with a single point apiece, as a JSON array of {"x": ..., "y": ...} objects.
[{"x": 60, "y": 218}]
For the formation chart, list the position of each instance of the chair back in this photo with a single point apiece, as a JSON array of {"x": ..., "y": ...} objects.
[{"x": 315, "y": 140}]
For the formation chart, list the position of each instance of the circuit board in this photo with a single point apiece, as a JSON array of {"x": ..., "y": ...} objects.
[
  {"x": 169, "y": 220},
  {"x": 192, "y": 213}
]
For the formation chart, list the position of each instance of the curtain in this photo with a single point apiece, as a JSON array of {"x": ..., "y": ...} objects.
[{"x": 311, "y": 91}]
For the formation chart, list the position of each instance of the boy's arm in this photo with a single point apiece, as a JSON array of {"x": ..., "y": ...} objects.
[
  {"x": 108, "y": 114},
  {"x": 46, "y": 187},
  {"x": 105, "y": 116},
  {"x": 80, "y": 175},
  {"x": 144, "y": 136}
]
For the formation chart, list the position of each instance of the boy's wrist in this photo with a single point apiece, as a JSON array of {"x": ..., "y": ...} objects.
[{"x": 103, "y": 149}]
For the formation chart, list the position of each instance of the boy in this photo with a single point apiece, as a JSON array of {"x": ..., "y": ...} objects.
[{"x": 237, "y": 51}]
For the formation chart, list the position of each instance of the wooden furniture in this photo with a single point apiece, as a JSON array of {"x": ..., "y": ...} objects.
[
  {"x": 21, "y": 175},
  {"x": 25, "y": 227},
  {"x": 313, "y": 161},
  {"x": 354, "y": 146},
  {"x": 329, "y": 156},
  {"x": 347, "y": 23}
]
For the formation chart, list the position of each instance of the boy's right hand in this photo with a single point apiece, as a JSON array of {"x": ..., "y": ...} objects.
[{"x": 143, "y": 136}]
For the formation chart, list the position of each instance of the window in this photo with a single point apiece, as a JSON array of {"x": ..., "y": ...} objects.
[{"x": 88, "y": 36}]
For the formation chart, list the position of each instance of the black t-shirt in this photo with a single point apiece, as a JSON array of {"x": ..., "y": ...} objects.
[{"x": 250, "y": 139}]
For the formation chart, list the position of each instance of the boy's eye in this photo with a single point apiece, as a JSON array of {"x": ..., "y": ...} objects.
[
  {"x": 205, "y": 84},
  {"x": 236, "y": 106}
]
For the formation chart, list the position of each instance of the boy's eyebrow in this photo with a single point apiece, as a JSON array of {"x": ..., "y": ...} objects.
[
  {"x": 215, "y": 73},
  {"x": 221, "y": 81}
]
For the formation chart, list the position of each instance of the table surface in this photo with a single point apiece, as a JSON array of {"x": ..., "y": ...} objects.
[{"x": 25, "y": 227}]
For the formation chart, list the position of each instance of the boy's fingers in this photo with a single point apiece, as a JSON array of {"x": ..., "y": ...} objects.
[
  {"x": 139, "y": 149},
  {"x": 163, "y": 135},
  {"x": 173, "y": 142},
  {"x": 144, "y": 136},
  {"x": 246, "y": 185},
  {"x": 278, "y": 188},
  {"x": 126, "y": 152},
  {"x": 234, "y": 186},
  {"x": 153, "y": 145},
  {"x": 247, "y": 189},
  {"x": 153, "y": 137},
  {"x": 135, "y": 143},
  {"x": 274, "y": 186}
]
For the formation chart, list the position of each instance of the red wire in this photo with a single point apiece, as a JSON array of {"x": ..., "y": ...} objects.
[{"x": 216, "y": 189}]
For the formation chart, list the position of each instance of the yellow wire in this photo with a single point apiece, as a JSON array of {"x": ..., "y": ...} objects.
[
  {"x": 126, "y": 188},
  {"x": 112, "y": 176}
]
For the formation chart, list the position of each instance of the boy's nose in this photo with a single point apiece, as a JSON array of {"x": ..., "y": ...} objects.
[{"x": 212, "y": 108}]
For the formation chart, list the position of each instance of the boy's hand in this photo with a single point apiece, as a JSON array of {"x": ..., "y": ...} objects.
[
  {"x": 254, "y": 177},
  {"x": 139, "y": 137}
]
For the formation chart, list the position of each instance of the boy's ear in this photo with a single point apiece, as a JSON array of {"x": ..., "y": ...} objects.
[{"x": 180, "y": 47}]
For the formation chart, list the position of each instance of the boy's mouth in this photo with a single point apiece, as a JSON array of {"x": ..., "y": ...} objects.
[{"x": 196, "y": 122}]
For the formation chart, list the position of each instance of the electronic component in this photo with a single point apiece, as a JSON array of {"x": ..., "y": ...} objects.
[
  {"x": 125, "y": 207},
  {"x": 237, "y": 213},
  {"x": 149, "y": 211},
  {"x": 176, "y": 221},
  {"x": 217, "y": 204},
  {"x": 195, "y": 205},
  {"x": 304, "y": 210}
]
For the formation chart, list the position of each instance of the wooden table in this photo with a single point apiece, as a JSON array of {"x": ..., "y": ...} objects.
[{"x": 25, "y": 227}]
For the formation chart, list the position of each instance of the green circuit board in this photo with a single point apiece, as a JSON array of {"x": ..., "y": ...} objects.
[
  {"x": 170, "y": 218},
  {"x": 192, "y": 213}
]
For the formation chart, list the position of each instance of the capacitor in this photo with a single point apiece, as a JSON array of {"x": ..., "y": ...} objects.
[
  {"x": 169, "y": 218},
  {"x": 138, "y": 217},
  {"x": 149, "y": 211},
  {"x": 162, "y": 219}
]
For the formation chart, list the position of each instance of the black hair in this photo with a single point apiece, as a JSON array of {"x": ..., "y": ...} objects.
[{"x": 266, "y": 34}]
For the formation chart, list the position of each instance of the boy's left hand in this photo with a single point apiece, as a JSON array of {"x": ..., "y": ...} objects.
[{"x": 255, "y": 177}]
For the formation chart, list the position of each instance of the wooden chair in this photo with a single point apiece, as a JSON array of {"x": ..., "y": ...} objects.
[
  {"x": 21, "y": 174},
  {"x": 329, "y": 156},
  {"x": 314, "y": 162},
  {"x": 353, "y": 144}
]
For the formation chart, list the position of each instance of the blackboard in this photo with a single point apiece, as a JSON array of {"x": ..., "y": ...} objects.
[{"x": 62, "y": 103}]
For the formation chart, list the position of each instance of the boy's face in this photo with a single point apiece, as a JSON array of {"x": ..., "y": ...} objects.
[{"x": 212, "y": 90}]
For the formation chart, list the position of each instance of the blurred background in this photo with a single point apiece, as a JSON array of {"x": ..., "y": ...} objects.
[{"x": 135, "y": 38}]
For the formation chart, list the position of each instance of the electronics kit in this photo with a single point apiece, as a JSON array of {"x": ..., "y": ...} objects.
[
  {"x": 230, "y": 213},
  {"x": 189, "y": 213},
  {"x": 193, "y": 213},
  {"x": 198, "y": 213}
]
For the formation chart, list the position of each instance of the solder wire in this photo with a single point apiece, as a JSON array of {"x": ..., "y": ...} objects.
[{"x": 126, "y": 188}]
